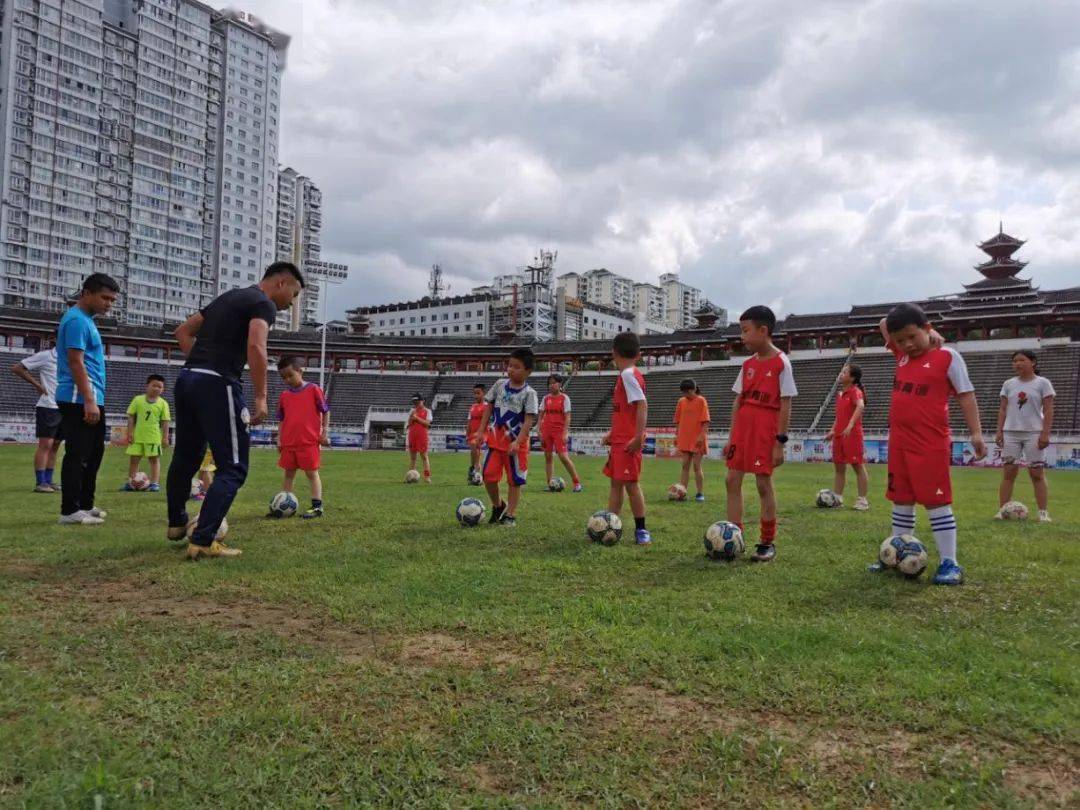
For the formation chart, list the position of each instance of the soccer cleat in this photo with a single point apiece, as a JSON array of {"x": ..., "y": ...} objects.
[
  {"x": 1000, "y": 514},
  {"x": 508, "y": 520},
  {"x": 877, "y": 567},
  {"x": 98, "y": 513},
  {"x": 861, "y": 505},
  {"x": 949, "y": 573},
  {"x": 700, "y": 497},
  {"x": 176, "y": 532},
  {"x": 80, "y": 518},
  {"x": 44, "y": 488},
  {"x": 1044, "y": 516},
  {"x": 215, "y": 549},
  {"x": 310, "y": 514},
  {"x": 497, "y": 513},
  {"x": 154, "y": 488},
  {"x": 127, "y": 487},
  {"x": 577, "y": 488},
  {"x": 765, "y": 552},
  {"x": 642, "y": 537},
  {"x": 469, "y": 476}
]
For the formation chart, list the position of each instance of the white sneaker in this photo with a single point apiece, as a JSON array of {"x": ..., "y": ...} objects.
[
  {"x": 861, "y": 505},
  {"x": 98, "y": 513},
  {"x": 79, "y": 518},
  {"x": 1000, "y": 514},
  {"x": 1044, "y": 516}
]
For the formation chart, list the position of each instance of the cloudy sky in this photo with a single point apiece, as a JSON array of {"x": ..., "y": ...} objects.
[{"x": 804, "y": 155}]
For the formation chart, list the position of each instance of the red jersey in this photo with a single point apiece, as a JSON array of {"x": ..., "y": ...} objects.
[
  {"x": 555, "y": 408},
  {"x": 300, "y": 412},
  {"x": 762, "y": 383},
  {"x": 629, "y": 390},
  {"x": 415, "y": 428},
  {"x": 476, "y": 412},
  {"x": 846, "y": 403},
  {"x": 919, "y": 411}
]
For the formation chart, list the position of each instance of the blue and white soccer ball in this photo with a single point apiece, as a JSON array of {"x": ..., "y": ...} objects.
[
  {"x": 557, "y": 484},
  {"x": 284, "y": 505},
  {"x": 604, "y": 527},
  {"x": 471, "y": 511},
  {"x": 827, "y": 499},
  {"x": 724, "y": 541},
  {"x": 905, "y": 553}
]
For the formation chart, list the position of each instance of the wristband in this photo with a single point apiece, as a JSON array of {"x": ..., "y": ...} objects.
[{"x": 782, "y": 438}]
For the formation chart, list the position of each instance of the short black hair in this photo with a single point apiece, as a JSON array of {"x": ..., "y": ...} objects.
[
  {"x": 689, "y": 384},
  {"x": 418, "y": 397},
  {"x": 557, "y": 377},
  {"x": 290, "y": 360},
  {"x": 626, "y": 344},
  {"x": 96, "y": 282},
  {"x": 760, "y": 315},
  {"x": 155, "y": 378},
  {"x": 526, "y": 356},
  {"x": 479, "y": 385},
  {"x": 903, "y": 315},
  {"x": 285, "y": 267}
]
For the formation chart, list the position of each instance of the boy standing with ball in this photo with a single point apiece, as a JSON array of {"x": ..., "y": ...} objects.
[
  {"x": 305, "y": 425},
  {"x": 627, "y": 435},
  {"x": 692, "y": 434},
  {"x": 555, "y": 430},
  {"x": 476, "y": 413},
  {"x": 510, "y": 408},
  {"x": 920, "y": 446},
  {"x": 147, "y": 432},
  {"x": 416, "y": 435},
  {"x": 759, "y": 423}
]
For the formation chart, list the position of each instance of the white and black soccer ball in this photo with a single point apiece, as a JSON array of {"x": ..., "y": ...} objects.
[
  {"x": 412, "y": 477},
  {"x": 604, "y": 528},
  {"x": 557, "y": 484},
  {"x": 676, "y": 492},
  {"x": 827, "y": 499},
  {"x": 471, "y": 511},
  {"x": 223, "y": 529},
  {"x": 475, "y": 478},
  {"x": 905, "y": 553},
  {"x": 140, "y": 481},
  {"x": 1014, "y": 510},
  {"x": 724, "y": 541},
  {"x": 284, "y": 505}
]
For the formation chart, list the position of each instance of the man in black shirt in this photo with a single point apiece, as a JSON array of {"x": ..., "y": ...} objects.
[{"x": 210, "y": 409}]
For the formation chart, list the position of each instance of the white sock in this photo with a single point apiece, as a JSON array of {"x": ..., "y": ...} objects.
[
  {"x": 943, "y": 524},
  {"x": 903, "y": 519}
]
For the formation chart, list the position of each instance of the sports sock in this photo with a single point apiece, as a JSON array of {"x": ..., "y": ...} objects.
[
  {"x": 768, "y": 532},
  {"x": 576, "y": 480},
  {"x": 903, "y": 519},
  {"x": 639, "y": 523},
  {"x": 943, "y": 524},
  {"x": 48, "y": 475},
  {"x": 39, "y": 476},
  {"x": 316, "y": 503}
]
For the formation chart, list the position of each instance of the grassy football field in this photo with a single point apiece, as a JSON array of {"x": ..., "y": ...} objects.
[{"x": 383, "y": 656}]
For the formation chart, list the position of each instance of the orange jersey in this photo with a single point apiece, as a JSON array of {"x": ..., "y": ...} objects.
[
  {"x": 476, "y": 413},
  {"x": 690, "y": 416}
]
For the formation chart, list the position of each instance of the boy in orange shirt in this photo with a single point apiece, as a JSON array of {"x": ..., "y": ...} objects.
[{"x": 692, "y": 437}]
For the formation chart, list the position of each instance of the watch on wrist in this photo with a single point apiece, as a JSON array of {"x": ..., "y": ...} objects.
[{"x": 782, "y": 438}]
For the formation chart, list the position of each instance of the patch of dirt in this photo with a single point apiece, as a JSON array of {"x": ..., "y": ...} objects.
[
  {"x": 441, "y": 649},
  {"x": 1058, "y": 786}
]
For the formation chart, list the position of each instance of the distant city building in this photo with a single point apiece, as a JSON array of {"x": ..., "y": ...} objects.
[
  {"x": 601, "y": 286},
  {"x": 455, "y": 316},
  {"x": 680, "y": 301},
  {"x": 650, "y": 302}
]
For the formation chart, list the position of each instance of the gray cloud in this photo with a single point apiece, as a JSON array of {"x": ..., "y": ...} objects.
[{"x": 807, "y": 155}]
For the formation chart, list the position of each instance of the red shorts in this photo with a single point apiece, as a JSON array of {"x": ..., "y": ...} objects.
[
  {"x": 849, "y": 449},
  {"x": 553, "y": 442},
  {"x": 417, "y": 442},
  {"x": 515, "y": 466},
  {"x": 919, "y": 477},
  {"x": 305, "y": 457},
  {"x": 623, "y": 466},
  {"x": 753, "y": 437}
]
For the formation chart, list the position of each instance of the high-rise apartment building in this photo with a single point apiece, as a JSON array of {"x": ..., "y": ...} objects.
[
  {"x": 600, "y": 286},
  {"x": 680, "y": 301},
  {"x": 137, "y": 138}
]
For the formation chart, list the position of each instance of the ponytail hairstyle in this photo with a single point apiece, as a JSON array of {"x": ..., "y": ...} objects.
[
  {"x": 1030, "y": 355},
  {"x": 855, "y": 372}
]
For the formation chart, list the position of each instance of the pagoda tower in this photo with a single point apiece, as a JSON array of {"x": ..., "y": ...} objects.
[{"x": 1000, "y": 248}]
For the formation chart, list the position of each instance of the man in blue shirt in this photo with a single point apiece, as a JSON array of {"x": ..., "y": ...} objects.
[{"x": 80, "y": 396}]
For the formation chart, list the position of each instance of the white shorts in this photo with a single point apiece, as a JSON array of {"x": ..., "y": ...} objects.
[{"x": 1023, "y": 446}]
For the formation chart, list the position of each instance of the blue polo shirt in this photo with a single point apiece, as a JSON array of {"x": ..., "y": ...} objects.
[{"x": 77, "y": 330}]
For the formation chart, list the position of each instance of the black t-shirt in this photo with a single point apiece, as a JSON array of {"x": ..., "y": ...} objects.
[{"x": 221, "y": 345}]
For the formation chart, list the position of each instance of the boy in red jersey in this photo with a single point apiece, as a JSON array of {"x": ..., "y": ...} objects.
[
  {"x": 920, "y": 447},
  {"x": 759, "y": 423},
  {"x": 305, "y": 422},
  {"x": 476, "y": 413},
  {"x": 555, "y": 429},
  {"x": 627, "y": 435},
  {"x": 846, "y": 435},
  {"x": 416, "y": 437}
]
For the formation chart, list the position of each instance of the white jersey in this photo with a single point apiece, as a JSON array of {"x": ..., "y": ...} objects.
[
  {"x": 509, "y": 407},
  {"x": 1024, "y": 410},
  {"x": 44, "y": 363}
]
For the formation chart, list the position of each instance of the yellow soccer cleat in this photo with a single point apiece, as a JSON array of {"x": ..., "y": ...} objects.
[{"x": 215, "y": 549}]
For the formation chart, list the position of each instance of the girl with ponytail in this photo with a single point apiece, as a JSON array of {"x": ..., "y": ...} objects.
[{"x": 846, "y": 435}]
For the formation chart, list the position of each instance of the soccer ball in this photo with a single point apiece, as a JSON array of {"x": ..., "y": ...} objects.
[
  {"x": 605, "y": 528},
  {"x": 140, "y": 481},
  {"x": 284, "y": 505},
  {"x": 676, "y": 492},
  {"x": 475, "y": 478},
  {"x": 905, "y": 553},
  {"x": 827, "y": 499},
  {"x": 724, "y": 541},
  {"x": 223, "y": 529},
  {"x": 556, "y": 484},
  {"x": 412, "y": 477},
  {"x": 471, "y": 511},
  {"x": 1014, "y": 510}
]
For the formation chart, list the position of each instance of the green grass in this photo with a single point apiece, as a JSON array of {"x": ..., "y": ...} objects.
[{"x": 385, "y": 656}]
